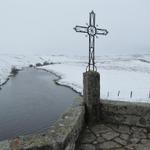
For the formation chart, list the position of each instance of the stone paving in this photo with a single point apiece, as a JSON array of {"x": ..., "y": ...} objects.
[{"x": 114, "y": 137}]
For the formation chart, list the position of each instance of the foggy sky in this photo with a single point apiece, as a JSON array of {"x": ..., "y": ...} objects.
[{"x": 47, "y": 25}]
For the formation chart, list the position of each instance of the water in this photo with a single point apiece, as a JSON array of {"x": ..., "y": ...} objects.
[{"x": 31, "y": 102}]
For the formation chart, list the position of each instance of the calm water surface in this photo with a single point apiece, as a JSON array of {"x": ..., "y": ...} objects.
[{"x": 31, "y": 102}]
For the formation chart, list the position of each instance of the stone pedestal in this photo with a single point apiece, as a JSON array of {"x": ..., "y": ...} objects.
[{"x": 91, "y": 94}]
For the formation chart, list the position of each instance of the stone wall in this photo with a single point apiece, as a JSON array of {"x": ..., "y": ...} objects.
[
  {"x": 61, "y": 136},
  {"x": 65, "y": 132},
  {"x": 128, "y": 113}
]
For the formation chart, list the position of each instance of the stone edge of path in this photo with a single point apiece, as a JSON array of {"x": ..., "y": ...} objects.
[{"x": 61, "y": 136}]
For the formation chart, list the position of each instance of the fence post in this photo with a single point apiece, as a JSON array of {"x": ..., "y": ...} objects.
[
  {"x": 91, "y": 94},
  {"x": 118, "y": 93},
  {"x": 131, "y": 94},
  {"x": 107, "y": 94},
  {"x": 0, "y": 85}
]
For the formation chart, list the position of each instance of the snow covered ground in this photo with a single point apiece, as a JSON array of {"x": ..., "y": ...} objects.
[{"x": 118, "y": 73}]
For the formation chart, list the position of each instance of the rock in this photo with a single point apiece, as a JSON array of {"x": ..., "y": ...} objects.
[
  {"x": 134, "y": 140},
  {"x": 100, "y": 139},
  {"x": 149, "y": 135},
  {"x": 100, "y": 128},
  {"x": 109, "y": 145},
  {"x": 137, "y": 129},
  {"x": 95, "y": 142},
  {"x": 144, "y": 141},
  {"x": 144, "y": 130},
  {"x": 87, "y": 147},
  {"x": 87, "y": 137},
  {"x": 130, "y": 147},
  {"x": 142, "y": 121},
  {"x": 120, "y": 141},
  {"x": 123, "y": 129},
  {"x": 139, "y": 135},
  {"x": 143, "y": 146},
  {"x": 124, "y": 136},
  {"x": 97, "y": 135},
  {"x": 110, "y": 135}
]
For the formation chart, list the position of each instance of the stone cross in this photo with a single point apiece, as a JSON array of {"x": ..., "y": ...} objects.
[{"x": 92, "y": 31}]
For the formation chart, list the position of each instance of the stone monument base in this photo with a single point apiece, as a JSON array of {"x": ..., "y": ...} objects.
[{"x": 91, "y": 95}]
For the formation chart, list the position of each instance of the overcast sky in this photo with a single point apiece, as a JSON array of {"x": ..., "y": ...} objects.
[{"x": 47, "y": 25}]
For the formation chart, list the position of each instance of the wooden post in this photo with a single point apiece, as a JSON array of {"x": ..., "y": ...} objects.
[
  {"x": 118, "y": 93},
  {"x": 131, "y": 94},
  {"x": 91, "y": 93}
]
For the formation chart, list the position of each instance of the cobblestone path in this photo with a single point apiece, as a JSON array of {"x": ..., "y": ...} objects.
[{"x": 114, "y": 137}]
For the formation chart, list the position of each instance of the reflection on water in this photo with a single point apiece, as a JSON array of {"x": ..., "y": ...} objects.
[{"x": 31, "y": 102}]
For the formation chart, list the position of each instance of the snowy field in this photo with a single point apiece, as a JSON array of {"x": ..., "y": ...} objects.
[{"x": 118, "y": 73}]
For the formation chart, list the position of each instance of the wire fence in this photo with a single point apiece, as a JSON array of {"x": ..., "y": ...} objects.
[{"x": 139, "y": 94}]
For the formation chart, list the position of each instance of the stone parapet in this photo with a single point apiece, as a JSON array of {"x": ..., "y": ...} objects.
[{"x": 128, "y": 113}]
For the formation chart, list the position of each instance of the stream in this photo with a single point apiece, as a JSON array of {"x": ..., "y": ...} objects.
[{"x": 31, "y": 102}]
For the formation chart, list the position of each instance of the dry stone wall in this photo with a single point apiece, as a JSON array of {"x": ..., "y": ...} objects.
[{"x": 128, "y": 113}]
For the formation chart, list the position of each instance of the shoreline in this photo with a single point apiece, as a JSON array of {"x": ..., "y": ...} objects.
[
  {"x": 8, "y": 78},
  {"x": 56, "y": 81}
]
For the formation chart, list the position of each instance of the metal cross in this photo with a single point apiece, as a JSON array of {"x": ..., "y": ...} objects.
[{"x": 92, "y": 31}]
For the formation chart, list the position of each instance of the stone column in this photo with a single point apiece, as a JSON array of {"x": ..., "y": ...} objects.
[{"x": 91, "y": 94}]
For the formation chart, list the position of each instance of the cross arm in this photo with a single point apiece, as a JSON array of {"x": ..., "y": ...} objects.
[
  {"x": 81, "y": 29},
  {"x": 101, "y": 31},
  {"x": 92, "y": 19}
]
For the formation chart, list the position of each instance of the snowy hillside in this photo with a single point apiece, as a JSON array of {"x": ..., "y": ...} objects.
[{"x": 118, "y": 73}]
